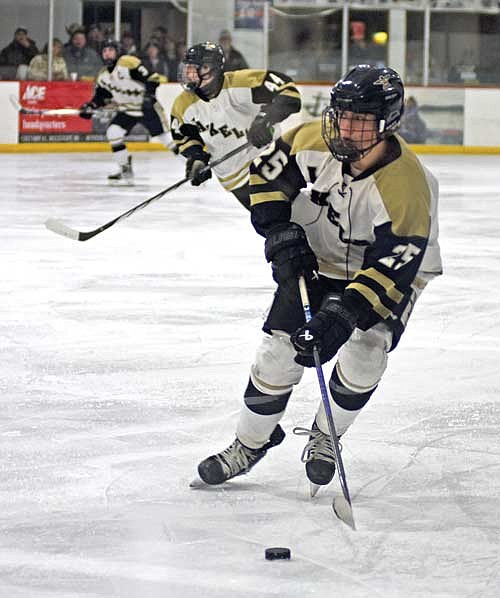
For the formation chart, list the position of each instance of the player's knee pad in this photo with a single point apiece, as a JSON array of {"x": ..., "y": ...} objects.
[
  {"x": 274, "y": 371},
  {"x": 115, "y": 134},
  {"x": 363, "y": 359}
]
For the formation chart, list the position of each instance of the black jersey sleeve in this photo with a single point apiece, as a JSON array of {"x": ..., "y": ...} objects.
[
  {"x": 275, "y": 181},
  {"x": 278, "y": 95}
]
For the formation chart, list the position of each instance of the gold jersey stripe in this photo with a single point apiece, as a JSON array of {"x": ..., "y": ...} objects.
[
  {"x": 185, "y": 146},
  {"x": 233, "y": 175},
  {"x": 256, "y": 179},
  {"x": 384, "y": 281},
  {"x": 372, "y": 297},
  {"x": 257, "y": 198},
  {"x": 290, "y": 94},
  {"x": 230, "y": 185}
]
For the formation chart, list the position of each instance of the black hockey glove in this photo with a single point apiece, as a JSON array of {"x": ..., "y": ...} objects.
[
  {"x": 148, "y": 103},
  {"x": 260, "y": 132},
  {"x": 291, "y": 256},
  {"x": 328, "y": 330},
  {"x": 196, "y": 169},
  {"x": 87, "y": 110}
]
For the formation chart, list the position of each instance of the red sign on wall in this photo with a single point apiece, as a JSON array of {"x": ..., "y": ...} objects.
[{"x": 56, "y": 94}]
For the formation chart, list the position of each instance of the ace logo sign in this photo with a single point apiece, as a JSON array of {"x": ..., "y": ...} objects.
[
  {"x": 37, "y": 128},
  {"x": 34, "y": 93}
]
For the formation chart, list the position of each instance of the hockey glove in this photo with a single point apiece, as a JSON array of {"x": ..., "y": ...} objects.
[
  {"x": 328, "y": 330},
  {"x": 291, "y": 256},
  {"x": 196, "y": 168},
  {"x": 261, "y": 131},
  {"x": 87, "y": 110}
]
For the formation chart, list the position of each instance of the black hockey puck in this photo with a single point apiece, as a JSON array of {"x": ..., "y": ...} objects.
[{"x": 274, "y": 554}]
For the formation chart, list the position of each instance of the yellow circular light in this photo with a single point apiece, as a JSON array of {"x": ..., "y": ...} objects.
[{"x": 380, "y": 38}]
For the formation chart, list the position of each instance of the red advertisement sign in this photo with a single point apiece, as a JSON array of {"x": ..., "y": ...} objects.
[{"x": 56, "y": 94}]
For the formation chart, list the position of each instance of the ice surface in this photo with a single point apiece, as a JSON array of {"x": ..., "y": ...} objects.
[{"x": 122, "y": 364}]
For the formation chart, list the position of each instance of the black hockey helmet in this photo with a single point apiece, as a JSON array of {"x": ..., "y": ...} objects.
[
  {"x": 110, "y": 43},
  {"x": 364, "y": 89},
  {"x": 208, "y": 60}
]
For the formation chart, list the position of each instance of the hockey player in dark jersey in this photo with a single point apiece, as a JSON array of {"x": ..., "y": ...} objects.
[
  {"x": 217, "y": 112},
  {"x": 127, "y": 85},
  {"x": 364, "y": 237}
]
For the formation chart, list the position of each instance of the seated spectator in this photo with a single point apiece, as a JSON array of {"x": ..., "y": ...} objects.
[
  {"x": 80, "y": 59},
  {"x": 38, "y": 69},
  {"x": 20, "y": 51},
  {"x": 234, "y": 59},
  {"x": 153, "y": 61},
  {"x": 95, "y": 37},
  {"x": 413, "y": 129},
  {"x": 128, "y": 44}
]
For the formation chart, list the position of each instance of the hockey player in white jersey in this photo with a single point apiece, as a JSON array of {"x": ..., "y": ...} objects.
[
  {"x": 217, "y": 112},
  {"x": 364, "y": 236},
  {"x": 127, "y": 85}
]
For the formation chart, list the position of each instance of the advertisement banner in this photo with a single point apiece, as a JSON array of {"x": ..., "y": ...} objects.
[{"x": 38, "y": 95}]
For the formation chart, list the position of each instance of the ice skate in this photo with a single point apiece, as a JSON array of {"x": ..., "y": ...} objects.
[
  {"x": 125, "y": 176},
  {"x": 236, "y": 460},
  {"x": 319, "y": 457}
]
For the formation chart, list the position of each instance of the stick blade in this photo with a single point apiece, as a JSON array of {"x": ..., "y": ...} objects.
[
  {"x": 58, "y": 227},
  {"x": 343, "y": 510}
]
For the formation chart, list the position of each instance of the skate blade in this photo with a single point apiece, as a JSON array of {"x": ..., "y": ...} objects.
[
  {"x": 343, "y": 510},
  {"x": 121, "y": 183},
  {"x": 198, "y": 483},
  {"x": 313, "y": 489}
]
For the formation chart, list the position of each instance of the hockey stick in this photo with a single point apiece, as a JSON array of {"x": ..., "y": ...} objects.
[
  {"x": 341, "y": 504},
  {"x": 58, "y": 227},
  {"x": 57, "y": 111}
]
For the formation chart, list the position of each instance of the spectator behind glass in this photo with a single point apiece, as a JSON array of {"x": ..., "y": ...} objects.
[
  {"x": 359, "y": 49},
  {"x": 180, "y": 52},
  {"x": 81, "y": 59},
  {"x": 128, "y": 44},
  {"x": 413, "y": 129},
  {"x": 153, "y": 61},
  {"x": 95, "y": 37},
  {"x": 21, "y": 49},
  {"x": 234, "y": 59},
  {"x": 38, "y": 69}
]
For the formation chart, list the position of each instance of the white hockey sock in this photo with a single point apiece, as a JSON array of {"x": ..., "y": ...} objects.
[
  {"x": 254, "y": 430},
  {"x": 121, "y": 157},
  {"x": 341, "y": 417}
]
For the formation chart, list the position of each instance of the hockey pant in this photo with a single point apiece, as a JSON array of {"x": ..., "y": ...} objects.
[
  {"x": 123, "y": 123},
  {"x": 360, "y": 364}
]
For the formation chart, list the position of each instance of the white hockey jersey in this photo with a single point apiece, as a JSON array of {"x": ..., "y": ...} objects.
[
  {"x": 220, "y": 125},
  {"x": 378, "y": 231},
  {"x": 126, "y": 84}
]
